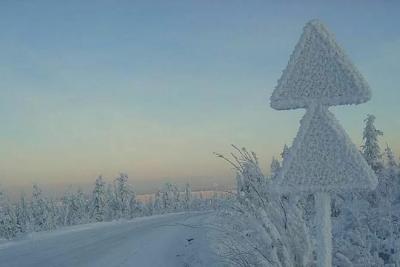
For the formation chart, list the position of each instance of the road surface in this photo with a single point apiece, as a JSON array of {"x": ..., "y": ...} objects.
[{"x": 168, "y": 240}]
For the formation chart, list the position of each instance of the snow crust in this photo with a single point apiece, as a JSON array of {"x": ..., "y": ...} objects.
[
  {"x": 319, "y": 71},
  {"x": 323, "y": 158}
]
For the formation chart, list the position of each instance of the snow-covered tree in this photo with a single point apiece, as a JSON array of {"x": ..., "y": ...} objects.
[
  {"x": 8, "y": 218},
  {"x": 370, "y": 148},
  {"x": 275, "y": 168},
  {"x": 41, "y": 211},
  {"x": 75, "y": 208},
  {"x": 390, "y": 158},
  {"x": 187, "y": 198},
  {"x": 158, "y": 202},
  {"x": 285, "y": 151},
  {"x": 112, "y": 205},
  {"x": 136, "y": 207},
  {"x": 123, "y": 195},
  {"x": 150, "y": 208},
  {"x": 389, "y": 186},
  {"x": 391, "y": 177},
  {"x": 177, "y": 203},
  {"x": 23, "y": 215},
  {"x": 170, "y": 197},
  {"x": 99, "y": 201},
  {"x": 54, "y": 211},
  {"x": 82, "y": 215},
  {"x": 366, "y": 231}
]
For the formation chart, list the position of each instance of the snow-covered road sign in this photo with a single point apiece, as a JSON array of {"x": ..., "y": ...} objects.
[
  {"x": 319, "y": 72},
  {"x": 322, "y": 158}
]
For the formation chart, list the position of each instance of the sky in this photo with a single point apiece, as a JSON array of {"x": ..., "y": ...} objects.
[{"x": 153, "y": 88}]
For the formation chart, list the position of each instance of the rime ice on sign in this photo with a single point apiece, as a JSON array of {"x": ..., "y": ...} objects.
[
  {"x": 322, "y": 158},
  {"x": 319, "y": 71}
]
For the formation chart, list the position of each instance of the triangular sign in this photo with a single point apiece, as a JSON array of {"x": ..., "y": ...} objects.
[
  {"x": 319, "y": 72},
  {"x": 323, "y": 158}
]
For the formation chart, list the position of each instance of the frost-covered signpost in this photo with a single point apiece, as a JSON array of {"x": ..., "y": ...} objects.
[{"x": 322, "y": 159}]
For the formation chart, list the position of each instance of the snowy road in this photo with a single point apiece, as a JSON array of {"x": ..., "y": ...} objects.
[{"x": 152, "y": 241}]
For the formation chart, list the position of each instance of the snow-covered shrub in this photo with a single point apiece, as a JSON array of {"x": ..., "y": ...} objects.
[{"x": 259, "y": 228}]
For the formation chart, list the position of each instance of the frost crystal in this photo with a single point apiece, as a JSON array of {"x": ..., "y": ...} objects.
[{"x": 319, "y": 71}]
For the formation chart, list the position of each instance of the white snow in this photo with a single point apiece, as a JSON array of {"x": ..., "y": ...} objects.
[
  {"x": 319, "y": 71},
  {"x": 323, "y": 158},
  {"x": 163, "y": 240}
]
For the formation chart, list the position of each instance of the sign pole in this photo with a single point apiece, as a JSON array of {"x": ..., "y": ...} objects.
[{"x": 324, "y": 227}]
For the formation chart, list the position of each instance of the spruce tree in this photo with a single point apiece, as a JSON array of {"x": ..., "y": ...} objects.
[{"x": 370, "y": 149}]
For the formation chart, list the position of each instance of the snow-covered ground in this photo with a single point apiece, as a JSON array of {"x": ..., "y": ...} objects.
[{"x": 163, "y": 240}]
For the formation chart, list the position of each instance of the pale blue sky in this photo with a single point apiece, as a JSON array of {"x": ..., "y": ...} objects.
[{"x": 152, "y": 88}]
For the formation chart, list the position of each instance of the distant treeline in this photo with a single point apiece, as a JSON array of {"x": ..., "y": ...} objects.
[{"x": 107, "y": 201}]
